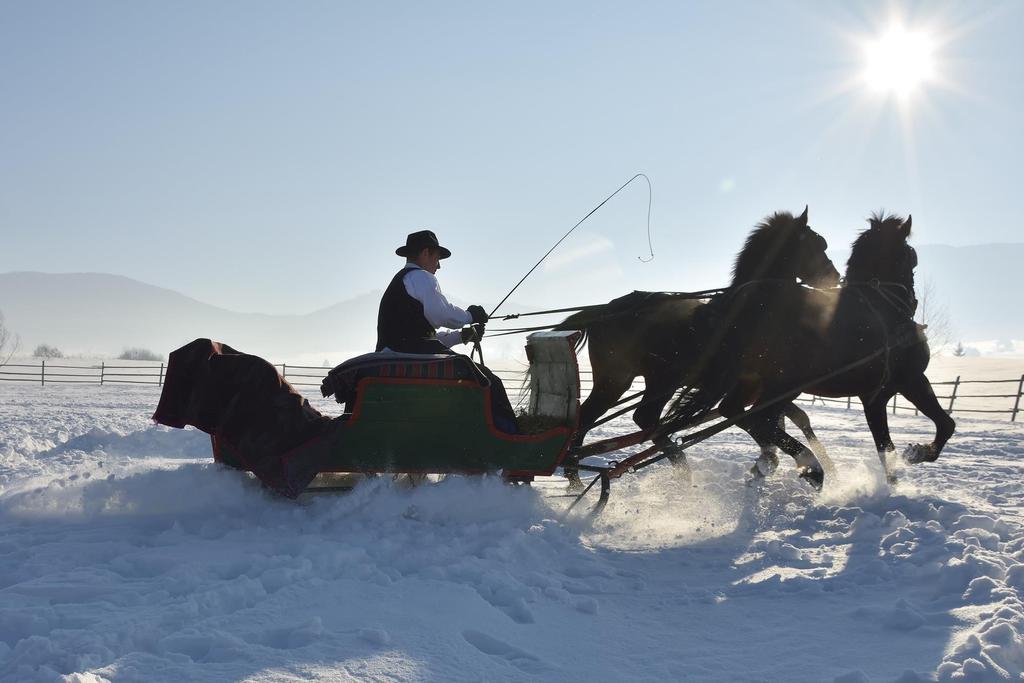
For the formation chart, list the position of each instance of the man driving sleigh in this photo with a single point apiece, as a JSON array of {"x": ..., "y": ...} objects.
[{"x": 413, "y": 310}]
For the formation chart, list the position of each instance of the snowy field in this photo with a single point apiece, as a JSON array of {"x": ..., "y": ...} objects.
[{"x": 127, "y": 555}]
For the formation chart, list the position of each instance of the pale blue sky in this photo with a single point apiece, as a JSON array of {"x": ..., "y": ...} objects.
[{"x": 270, "y": 156}]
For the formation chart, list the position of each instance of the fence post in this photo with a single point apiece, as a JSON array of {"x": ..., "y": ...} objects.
[
  {"x": 160, "y": 380},
  {"x": 284, "y": 370},
  {"x": 952, "y": 397},
  {"x": 894, "y": 397},
  {"x": 103, "y": 369},
  {"x": 849, "y": 402},
  {"x": 42, "y": 374},
  {"x": 1016, "y": 404}
]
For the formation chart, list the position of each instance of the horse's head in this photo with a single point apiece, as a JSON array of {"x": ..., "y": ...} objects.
[
  {"x": 785, "y": 247},
  {"x": 881, "y": 253}
]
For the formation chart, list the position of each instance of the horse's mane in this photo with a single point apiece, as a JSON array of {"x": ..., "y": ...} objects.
[
  {"x": 885, "y": 220},
  {"x": 864, "y": 248},
  {"x": 764, "y": 243}
]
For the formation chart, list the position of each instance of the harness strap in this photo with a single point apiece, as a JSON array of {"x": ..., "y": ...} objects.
[
  {"x": 886, "y": 371},
  {"x": 902, "y": 306},
  {"x": 702, "y": 294},
  {"x": 907, "y": 305}
]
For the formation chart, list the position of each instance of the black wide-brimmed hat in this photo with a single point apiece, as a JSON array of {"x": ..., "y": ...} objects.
[{"x": 418, "y": 241}]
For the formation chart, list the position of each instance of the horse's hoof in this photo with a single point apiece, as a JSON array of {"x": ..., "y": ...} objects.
[
  {"x": 670, "y": 448},
  {"x": 813, "y": 476},
  {"x": 918, "y": 453},
  {"x": 765, "y": 467}
]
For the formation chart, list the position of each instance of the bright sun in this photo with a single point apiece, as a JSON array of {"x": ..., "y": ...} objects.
[{"x": 899, "y": 62}]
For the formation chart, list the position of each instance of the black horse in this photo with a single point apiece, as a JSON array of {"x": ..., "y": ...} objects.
[
  {"x": 767, "y": 343},
  {"x": 651, "y": 335}
]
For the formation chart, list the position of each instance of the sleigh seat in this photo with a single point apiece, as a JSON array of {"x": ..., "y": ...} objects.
[{"x": 343, "y": 381}]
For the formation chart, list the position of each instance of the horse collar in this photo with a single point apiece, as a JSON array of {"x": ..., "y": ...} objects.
[{"x": 905, "y": 303}]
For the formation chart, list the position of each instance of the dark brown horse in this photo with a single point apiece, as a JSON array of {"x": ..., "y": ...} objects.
[
  {"x": 767, "y": 343},
  {"x": 650, "y": 334}
]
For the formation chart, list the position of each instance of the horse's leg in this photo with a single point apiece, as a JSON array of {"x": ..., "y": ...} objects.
[
  {"x": 878, "y": 423},
  {"x": 768, "y": 461},
  {"x": 658, "y": 389},
  {"x": 731, "y": 406},
  {"x": 798, "y": 417},
  {"x": 919, "y": 392},
  {"x": 764, "y": 427},
  {"x": 607, "y": 389},
  {"x": 766, "y": 464}
]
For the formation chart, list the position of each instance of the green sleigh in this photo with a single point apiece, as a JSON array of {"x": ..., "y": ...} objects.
[{"x": 432, "y": 415}]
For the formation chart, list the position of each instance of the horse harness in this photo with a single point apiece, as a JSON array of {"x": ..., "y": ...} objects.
[
  {"x": 895, "y": 295},
  {"x": 905, "y": 332}
]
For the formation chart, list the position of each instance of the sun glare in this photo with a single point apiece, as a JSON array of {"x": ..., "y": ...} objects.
[{"x": 899, "y": 62}]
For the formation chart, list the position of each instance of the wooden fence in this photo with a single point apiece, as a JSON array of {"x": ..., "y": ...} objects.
[{"x": 44, "y": 373}]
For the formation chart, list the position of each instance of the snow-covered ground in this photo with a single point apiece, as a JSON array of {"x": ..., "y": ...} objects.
[{"x": 127, "y": 555}]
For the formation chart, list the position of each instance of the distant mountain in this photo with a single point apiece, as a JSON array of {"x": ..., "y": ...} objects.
[{"x": 95, "y": 313}]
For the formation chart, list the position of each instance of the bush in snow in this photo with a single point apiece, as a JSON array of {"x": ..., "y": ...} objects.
[
  {"x": 139, "y": 354},
  {"x": 46, "y": 351}
]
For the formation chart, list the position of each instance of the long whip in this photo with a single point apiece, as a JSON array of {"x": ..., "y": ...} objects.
[{"x": 650, "y": 193}]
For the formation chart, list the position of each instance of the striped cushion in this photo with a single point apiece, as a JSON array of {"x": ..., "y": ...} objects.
[{"x": 342, "y": 380}]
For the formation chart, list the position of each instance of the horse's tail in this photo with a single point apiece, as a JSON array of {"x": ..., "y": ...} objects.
[
  {"x": 688, "y": 409},
  {"x": 524, "y": 387},
  {"x": 581, "y": 321},
  {"x": 582, "y": 341},
  {"x": 710, "y": 376}
]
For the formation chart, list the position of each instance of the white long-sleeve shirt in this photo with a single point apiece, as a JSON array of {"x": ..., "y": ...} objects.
[{"x": 439, "y": 312}]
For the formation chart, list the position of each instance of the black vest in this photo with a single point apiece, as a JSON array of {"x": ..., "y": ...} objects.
[{"x": 401, "y": 323}]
